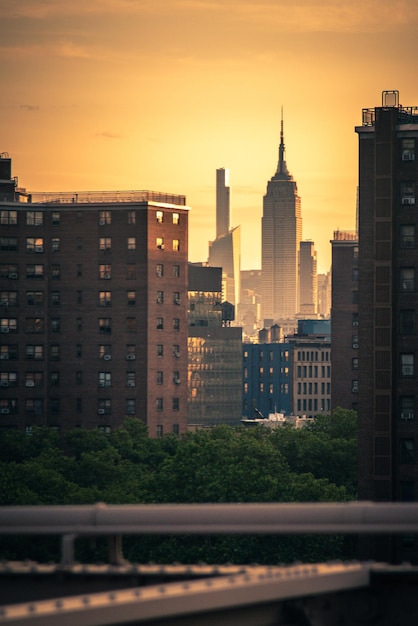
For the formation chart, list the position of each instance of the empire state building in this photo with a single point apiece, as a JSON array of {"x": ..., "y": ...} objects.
[{"x": 281, "y": 232}]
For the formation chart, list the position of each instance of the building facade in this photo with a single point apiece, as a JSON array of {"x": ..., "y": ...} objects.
[
  {"x": 388, "y": 303},
  {"x": 281, "y": 235},
  {"x": 214, "y": 350},
  {"x": 344, "y": 320},
  {"x": 94, "y": 310},
  {"x": 222, "y": 201},
  {"x": 308, "y": 279}
]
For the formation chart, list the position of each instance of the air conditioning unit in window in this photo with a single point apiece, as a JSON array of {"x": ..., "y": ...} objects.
[
  {"x": 407, "y": 415},
  {"x": 13, "y": 275},
  {"x": 30, "y": 383},
  {"x": 107, "y": 357},
  {"x": 408, "y": 200},
  {"x": 355, "y": 346},
  {"x": 407, "y": 156},
  {"x": 161, "y": 246},
  {"x": 102, "y": 384},
  {"x": 106, "y": 276},
  {"x": 177, "y": 354},
  {"x": 101, "y": 411},
  {"x": 4, "y": 357},
  {"x": 4, "y": 383},
  {"x": 176, "y": 381},
  {"x": 355, "y": 322},
  {"x": 102, "y": 222},
  {"x": 4, "y": 329},
  {"x": 5, "y": 411},
  {"x": 130, "y": 383},
  {"x": 130, "y": 357},
  {"x": 176, "y": 300}
]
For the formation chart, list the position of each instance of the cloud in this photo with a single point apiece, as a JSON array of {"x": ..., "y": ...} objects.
[
  {"x": 29, "y": 107},
  {"x": 105, "y": 134}
]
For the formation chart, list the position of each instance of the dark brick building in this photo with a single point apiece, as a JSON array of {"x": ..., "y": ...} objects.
[
  {"x": 344, "y": 320},
  {"x": 93, "y": 308},
  {"x": 388, "y": 305}
]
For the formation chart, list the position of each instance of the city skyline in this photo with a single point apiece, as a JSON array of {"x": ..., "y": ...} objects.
[{"x": 158, "y": 95}]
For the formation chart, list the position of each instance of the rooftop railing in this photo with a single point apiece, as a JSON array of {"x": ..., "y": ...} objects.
[{"x": 103, "y": 197}]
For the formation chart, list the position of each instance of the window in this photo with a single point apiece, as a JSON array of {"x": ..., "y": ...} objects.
[
  {"x": 105, "y": 352},
  {"x": 160, "y": 323},
  {"x": 34, "y": 325},
  {"x": 176, "y": 323},
  {"x": 130, "y": 406},
  {"x": 79, "y": 243},
  {"x": 176, "y": 245},
  {"x": 354, "y": 341},
  {"x": 56, "y": 298},
  {"x": 105, "y": 298},
  {"x": 34, "y": 353},
  {"x": 407, "y": 236},
  {"x": 159, "y": 430},
  {"x": 8, "y": 405},
  {"x": 354, "y": 296},
  {"x": 105, "y": 217},
  {"x": 176, "y": 218},
  {"x": 176, "y": 404},
  {"x": 407, "y": 321},
  {"x": 55, "y": 218},
  {"x": 131, "y": 324},
  {"x": 354, "y": 274},
  {"x": 34, "y": 405},
  {"x": 35, "y": 271},
  {"x": 160, "y": 297},
  {"x": 176, "y": 271},
  {"x": 55, "y": 244},
  {"x": 131, "y": 298},
  {"x": 79, "y": 323},
  {"x": 176, "y": 377},
  {"x": 8, "y": 298},
  {"x": 159, "y": 216},
  {"x": 105, "y": 379},
  {"x": 176, "y": 429},
  {"x": 34, "y": 379},
  {"x": 8, "y": 244},
  {"x": 408, "y": 149},
  {"x": 130, "y": 352},
  {"x": 354, "y": 363},
  {"x": 9, "y": 271},
  {"x": 78, "y": 405},
  {"x": 407, "y": 451},
  {"x": 56, "y": 272},
  {"x": 8, "y": 217},
  {"x": 105, "y": 243},
  {"x": 8, "y": 352},
  {"x": 160, "y": 269},
  {"x": 79, "y": 377},
  {"x": 407, "y": 192},
  {"x": 407, "y": 279},
  {"x": 131, "y": 243},
  {"x": 79, "y": 296},
  {"x": 407, "y": 364},
  {"x": 176, "y": 297},
  {"x": 160, "y": 349},
  {"x": 79, "y": 350},
  {"x": 55, "y": 352},
  {"x": 131, "y": 271},
  {"x": 131, "y": 217},
  {"x": 55, "y": 325},
  {"x": 354, "y": 319},
  {"x": 159, "y": 242},
  {"x": 79, "y": 270},
  {"x": 407, "y": 407},
  {"x": 34, "y": 244},
  {"x": 54, "y": 405},
  {"x": 130, "y": 379},
  {"x": 54, "y": 379},
  {"x": 105, "y": 325},
  {"x": 34, "y": 218},
  {"x": 159, "y": 404},
  {"x": 105, "y": 271},
  {"x": 104, "y": 406},
  {"x": 160, "y": 378},
  {"x": 8, "y": 325},
  {"x": 8, "y": 379},
  {"x": 176, "y": 350},
  {"x": 354, "y": 386}
]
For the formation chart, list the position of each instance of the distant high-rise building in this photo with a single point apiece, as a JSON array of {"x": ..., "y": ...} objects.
[
  {"x": 324, "y": 294},
  {"x": 388, "y": 305},
  {"x": 94, "y": 309},
  {"x": 214, "y": 348},
  {"x": 222, "y": 201},
  {"x": 308, "y": 279},
  {"x": 281, "y": 236}
]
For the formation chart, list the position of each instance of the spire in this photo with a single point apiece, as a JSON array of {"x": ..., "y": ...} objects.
[{"x": 281, "y": 166}]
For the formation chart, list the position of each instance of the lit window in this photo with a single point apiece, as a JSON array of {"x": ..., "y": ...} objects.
[
  {"x": 176, "y": 245},
  {"x": 131, "y": 298},
  {"x": 131, "y": 217},
  {"x": 8, "y": 217},
  {"x": 105, "y": 325},
  {"x": 407, "y": 364},
  {"x": 105, "y": 352},
  {"x": 105, "y": 379},
  {"x": 105, "y": 271},
  {"x": 34, "y": 353},
  {"x": 176, "y": 218},
  {"x": 34, "y": 244},
  {"x": 159, "y": 242},
  {"x": 176, "y": 271},
  {"x": 105, "y": 217},
  {"x": 159, "y": 216},
  {"x": 105, "y": 298},
  {"x": 35, "y": 271},
  {"x": 131, "y": 243},
  {"x": 34, "y": 218},
  {"x": 8, "y": 325},
  {"x": 105, "y": 243},
  {"x": 8, "y": 298}
]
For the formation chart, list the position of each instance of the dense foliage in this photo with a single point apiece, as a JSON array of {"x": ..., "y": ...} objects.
[{"x": 221, "y": 464}]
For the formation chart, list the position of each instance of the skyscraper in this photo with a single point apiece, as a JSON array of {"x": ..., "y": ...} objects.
[
  {"x": 308, "y": 279},
  {"x": 281, "y": 234},
  {"x": 388, "y": 305},
  {"x": 222, "y": 201}
]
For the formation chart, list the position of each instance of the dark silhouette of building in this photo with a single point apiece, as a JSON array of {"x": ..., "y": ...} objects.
[
  {"x": 388, "y": 305},
  {"x": 344, "y": 320},
  {"x": 93, "y": 308},
  {"x": 281, "y": 235}
]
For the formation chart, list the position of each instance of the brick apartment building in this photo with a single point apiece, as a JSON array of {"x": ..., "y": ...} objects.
[
  {"x": 93, "y": 308},
  {"x": 344, "y": 320},
  {"x": 388, "y": 304}
]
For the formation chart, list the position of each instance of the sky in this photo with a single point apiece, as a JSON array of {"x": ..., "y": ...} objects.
[{"x": 157, "y": 94}]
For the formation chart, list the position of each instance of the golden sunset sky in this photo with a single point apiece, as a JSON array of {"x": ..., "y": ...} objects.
[{"x": 157, "y": 94}]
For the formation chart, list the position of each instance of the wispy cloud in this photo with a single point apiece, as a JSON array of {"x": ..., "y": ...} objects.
[
  {"x": 105, "y": 134},
  {"x": 29, "y": 107}
]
